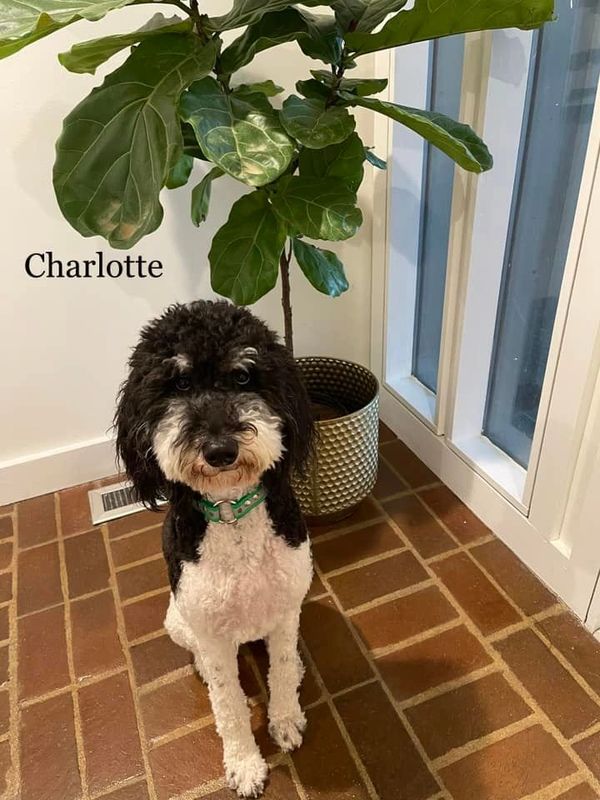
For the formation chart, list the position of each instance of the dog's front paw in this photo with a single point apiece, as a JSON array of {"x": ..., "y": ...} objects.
[
  {"x": 287, "y": 731},
  {"x": 247, "y": 776}
]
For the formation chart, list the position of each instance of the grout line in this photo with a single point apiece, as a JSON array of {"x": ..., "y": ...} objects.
[
  {"x": 511, "y": 678},
  {"x": 302, "y": 794},
  {"x": 591, "y": 731},
  {"x": 163, "y": 680},
  {"x": 364, "y": 562},
  {"x": 147, "y": 637},
  {"x": 327, "y": 536},
  {"x": 476, "y": 745},
  {"x": 554, "y": 791},
  {"x": 151, "y": 593},
  {"x": 118, "y": 785},
  {"x": 140, "y": 562},
  {"x": 64, "y": 582},
  {"x": 423, "y": 636},
  {"x": 449, "y": 686},
  {"x": 131, "y": 534},
  {"x": 182, "y": 730},
  {"x": 414, "y": 588},
  {"x": 82, "y": 683},
  {"x": 122, "y": 633}
]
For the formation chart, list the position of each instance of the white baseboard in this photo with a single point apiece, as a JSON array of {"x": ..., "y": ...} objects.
[{"x": 52, "y": 470}]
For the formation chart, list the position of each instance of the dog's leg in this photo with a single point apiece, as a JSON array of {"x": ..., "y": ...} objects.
[
  {"x": 245, "y": 768},
  {"x": 286, "y": 719}
]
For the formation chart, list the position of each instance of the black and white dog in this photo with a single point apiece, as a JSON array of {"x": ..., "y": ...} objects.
[{"x": 214, "y": 417}]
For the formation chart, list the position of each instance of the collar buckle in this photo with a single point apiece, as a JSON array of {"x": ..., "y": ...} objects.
[{"x": 228, "y": 517}]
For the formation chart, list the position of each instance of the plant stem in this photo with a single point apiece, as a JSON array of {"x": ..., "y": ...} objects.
[{"x": 284, "y": 265}]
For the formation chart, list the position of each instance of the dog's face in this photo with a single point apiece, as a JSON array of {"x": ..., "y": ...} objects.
[{"x": 212, "y": 401}]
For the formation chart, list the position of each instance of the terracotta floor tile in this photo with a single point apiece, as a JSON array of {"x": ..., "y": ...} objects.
[
  {"x": 49, "y": 768},
  {"x": 110, "y": 735},
  {"x": 420, "y": 528},
  {"x": 365, "y": 511},
  {"x": 476, "y": 594},
  {"x": 4, "y": 624},
  {"x": 405, "y": 462},
  {"x": 143, "y": 578},
  {"x": 403, "y": 618},
  {"x": 562, "y": 699},
  {"x": 6, "y": 528},
  {"x": 466, "y": 714},
  {"x": 37, "y": 520},
  {"x": 186, "y": 762},
  {"x": 39, "y": 579},
  {"x": 6, "y": 553},
  {"x": 135, "y": 791},
  {"x": 388, "y": 482},
  {"x": 582, "y": 792},
  {"x": 518, "y": 582},
  {"x": 335, "y": 652},
  {"x": 96, "y": 645},
  {"x": 509, "y": 769},
  {"x": 455, "y": 515},
  {"x": 327, "y": 773},
  {"x": 316, "y": 588},
  {"x": 75, "y": 516},
  {"x": 432, "y": 662},
  {"x": 589, "y": 750},
  {"x": 136, "y": 547},
  {"x": 87, "y": 565},
  {"x": 145, "y": 616},
  {"x": 135, "y": 522},
  {"x": 6, "y": 772},
  {"x": 157, "y": 657},
  {"x": 375, "y": 580},
  {"x": 4, "y": 711},
  {"x": 577, "y": 645},
  {"x": 385, "y": 433},
  {"x": 372, "y": 540},
  {"x": 43, "y": 664},
  {"x": 391, "y": 759},
  {"x": 3, "y": 665},
  {"x": 5, "y": 587},
  {"x": 174, "y": 704}
]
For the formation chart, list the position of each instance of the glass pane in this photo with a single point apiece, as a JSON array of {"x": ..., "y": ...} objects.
[
  {"x": 445, "y": 76},
  {"x": 558, "y": 116}
]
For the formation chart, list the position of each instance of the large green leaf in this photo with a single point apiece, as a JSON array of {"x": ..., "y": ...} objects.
[
  {"x": 311, "y": 123},
  {"x": 315, "y": 35},
  {"x": 247, "y": 12},
  {"x": 242, "y": 135},
  {"x": 268, "y": 88},
  {"x": 244, "y": 257},
  {"x": 343, "y": 160},
  {"x": 87, "y": 56},
  {"x": 458, "y": 141},
  {"x": 201, "y": 195},
  {"x": 23, "y": 23},
  {"x": 364, "y": 15},
  {"x": 314, "y": 89},
  {"x": 322, "y": 268},
  {"x": 431, "y": 19},
  {"x": 320, "y": 208},
  {"x": 359, "y": 86},
  {"x": 118, "y": 144}
]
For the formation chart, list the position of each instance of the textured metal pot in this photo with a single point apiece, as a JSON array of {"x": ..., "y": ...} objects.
[{"x": 344, "y": 468}]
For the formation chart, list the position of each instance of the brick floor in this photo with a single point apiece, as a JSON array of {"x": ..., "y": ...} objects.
[{"x": 437, "y": 666}]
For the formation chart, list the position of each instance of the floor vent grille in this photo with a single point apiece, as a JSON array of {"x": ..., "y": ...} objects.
[{"x": 112, "y": 502}]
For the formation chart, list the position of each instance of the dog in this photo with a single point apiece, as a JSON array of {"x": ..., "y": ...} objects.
[{"x": 214, "y": 418}]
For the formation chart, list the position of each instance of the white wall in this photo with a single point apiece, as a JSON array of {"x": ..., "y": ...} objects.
[{"x": 64, "y": 342}]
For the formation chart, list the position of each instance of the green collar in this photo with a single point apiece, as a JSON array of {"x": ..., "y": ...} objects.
[{"x": 228, "y": 512}]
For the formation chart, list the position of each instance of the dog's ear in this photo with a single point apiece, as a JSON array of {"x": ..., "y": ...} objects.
[
  {"x": 134, "y": 444},
  {"x": 289, "y": 399}
]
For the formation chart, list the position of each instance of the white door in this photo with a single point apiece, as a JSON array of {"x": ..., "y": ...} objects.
[{"x": 489, "y": 347}]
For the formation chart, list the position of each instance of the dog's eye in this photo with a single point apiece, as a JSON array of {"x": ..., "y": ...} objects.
[
  {"x": 183, "y": 383},
  {"x": 241, "y": 377}
]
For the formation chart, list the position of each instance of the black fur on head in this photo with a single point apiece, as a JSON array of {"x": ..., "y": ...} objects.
[{"x": 207, "y": 381}]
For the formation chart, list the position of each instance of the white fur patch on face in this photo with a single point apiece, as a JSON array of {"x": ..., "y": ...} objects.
[
  {"x": 181, "y": 361},
  {"x": 245, "y": 358},
  {"x": 260, "y": 447}
]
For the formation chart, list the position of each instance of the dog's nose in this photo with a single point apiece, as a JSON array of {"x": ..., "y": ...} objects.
[{"x": 220, "y": 453}]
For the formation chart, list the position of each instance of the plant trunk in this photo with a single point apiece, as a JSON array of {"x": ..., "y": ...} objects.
[{"x": 284, "y": 265}]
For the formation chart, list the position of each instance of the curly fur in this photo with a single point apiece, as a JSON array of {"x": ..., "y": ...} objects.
[{"x": 211, "y": 372}]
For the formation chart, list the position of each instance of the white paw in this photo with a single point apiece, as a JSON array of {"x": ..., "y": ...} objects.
[
  {"x": 247, "y": 776},
  {"x": 287, "y": 731}
]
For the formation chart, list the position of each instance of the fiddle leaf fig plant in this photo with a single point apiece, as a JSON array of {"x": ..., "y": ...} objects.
[{"x": 177, "y": 100}]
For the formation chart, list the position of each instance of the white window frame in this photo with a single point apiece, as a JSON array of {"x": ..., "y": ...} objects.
[{"x": 548, "y": 527}]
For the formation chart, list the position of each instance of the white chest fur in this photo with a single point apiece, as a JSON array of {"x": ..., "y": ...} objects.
[{"x": 246, "y": 579}]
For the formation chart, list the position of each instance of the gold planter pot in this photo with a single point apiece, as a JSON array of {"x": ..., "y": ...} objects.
[{"x": 344, "y": 468}]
